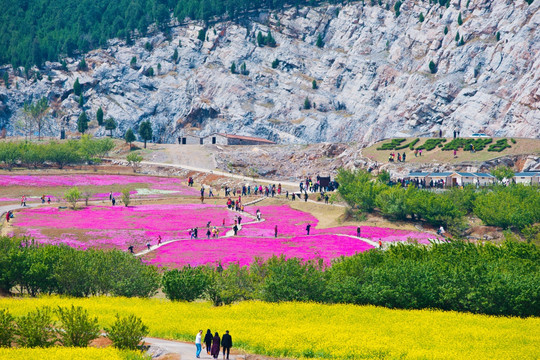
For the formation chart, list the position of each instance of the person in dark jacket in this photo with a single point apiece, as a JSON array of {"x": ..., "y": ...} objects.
[
  {"x": 208, "y": 341},
  {"x": 215, "y": 346},
  {"x": 226, "y": 342}
]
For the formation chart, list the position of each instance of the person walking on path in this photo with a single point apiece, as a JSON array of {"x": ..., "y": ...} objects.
[
  {"x": 198, "y": 344},
  {"x": 358, "y": 231},
  {"x": 308, "y": 227},
  {"x": 258, "y": 215},
  {"x": 208, "y": 341},
  {"x": 226, "y": 342},
  {"x": 275, "y": 231},
  {"x": 305, "y": 196},
  {"x": 215, "y": 346},
  {"x": 113, "y": 201}
]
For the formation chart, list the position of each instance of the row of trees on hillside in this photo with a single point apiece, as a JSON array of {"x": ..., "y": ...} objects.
[
  {"x": 35, "y": 155},
  {"x": 510, "y": 207}
]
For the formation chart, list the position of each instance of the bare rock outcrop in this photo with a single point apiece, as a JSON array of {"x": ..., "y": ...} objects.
[{"x": 372, "y": 76}]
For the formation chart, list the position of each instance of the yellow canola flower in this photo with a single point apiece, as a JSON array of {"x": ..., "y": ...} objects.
[
  {"x": 66, "y": 353},
  {"x": 310, "y": 330}
]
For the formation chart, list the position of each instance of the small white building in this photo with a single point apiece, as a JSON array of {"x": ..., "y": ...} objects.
[
  {"x": 484, "y": 179},
  {"x": 462, "y": 179},
  {"x": 227, "y": 139},
  {"x": 527, "y": 178},
  {"x": 189, "y": 139}
]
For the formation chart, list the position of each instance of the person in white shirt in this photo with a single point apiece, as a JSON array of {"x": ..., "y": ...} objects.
[{"x": 198, "y": 343}]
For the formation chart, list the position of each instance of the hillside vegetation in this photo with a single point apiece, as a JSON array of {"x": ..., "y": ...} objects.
[{"x": 32, "y": 32}]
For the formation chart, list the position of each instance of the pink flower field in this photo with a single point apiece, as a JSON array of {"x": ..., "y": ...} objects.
[
  {"x": 161, "y": 183},
  {"x": 242, "y": 250},
  {"x": 119, "y": 227}
]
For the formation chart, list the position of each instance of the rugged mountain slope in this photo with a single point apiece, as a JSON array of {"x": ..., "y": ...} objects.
[{"x": 372, "y": 74}]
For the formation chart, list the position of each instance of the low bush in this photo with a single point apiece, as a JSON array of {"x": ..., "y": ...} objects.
[
  {"x": 36, "y": 329},
  {"x": 127, "y": 332},
  {"x": 460, "y": 143},
  {"x": 430, "y": 144},
  {"x": 7, "y": 328},
  {"x": 499, "y": 145},
  {"x": 185, "y": 284},
  {"x": 391, "y": 145},
  {"x": 76, "y": 328}
]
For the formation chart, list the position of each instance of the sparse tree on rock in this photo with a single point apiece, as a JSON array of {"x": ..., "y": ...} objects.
[
  {"x": 37, "y": 111},
  {"x": 145, "y": 131},
  {"x": 77, "y": 88},
  {"x": 82, "y": 123},
  {"x": 307, "y": 104},
  {"x": 233, "y": 68},
  {"x": 110, "y": 125},
  {"x": 130, "y": 137},
  {"x": 99, "y": 116},
  {"x": 319, "y": 42},
  {"x": 432, "y": 67}
]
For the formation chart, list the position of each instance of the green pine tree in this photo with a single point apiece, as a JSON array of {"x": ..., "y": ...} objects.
[
  {"x": 261, "y": 41},
  {"x": 233, "y": 68},
  {"x": 99, "y": 116},
  {"x": 421, "y": 17},
  {"x": 82, "y": 123},
  {"x": 459, "y": 20},
  {"x": 319, "y": 42},
  {"x": 77, "y": 88},
  {"x": 130, "y": 137}
]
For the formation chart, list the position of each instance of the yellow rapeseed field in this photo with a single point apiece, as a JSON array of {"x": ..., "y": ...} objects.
[
  {"x": 64, "y": 353},
  {"x": 304, "y": 330}
]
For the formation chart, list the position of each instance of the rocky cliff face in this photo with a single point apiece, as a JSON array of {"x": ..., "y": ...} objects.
[{"x": 372, "y": 74}]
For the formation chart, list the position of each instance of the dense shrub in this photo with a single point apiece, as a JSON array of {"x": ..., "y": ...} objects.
[
  {"x": 515, "y": 206},
  {"x": 47, "y": 269},
  {"x": 292, "y": 280},
  {"x": 7, "y": 328},
  {"x": 76, "y": 327},
  {"x": 36, "y": 329},
  {"x": 358, "y": 189},
  {"x": 127, "y": 332},
  {"x": 185, "y": 284},
  {"x": 452, "y": 276}
]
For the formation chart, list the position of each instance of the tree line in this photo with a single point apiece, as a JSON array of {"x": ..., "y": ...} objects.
[
  {"x": 35, "y": 155},
  {"x": 29, "y": 268},
  {"x": 459, "y": 276},
  {"x": 515, "y": 207}
]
